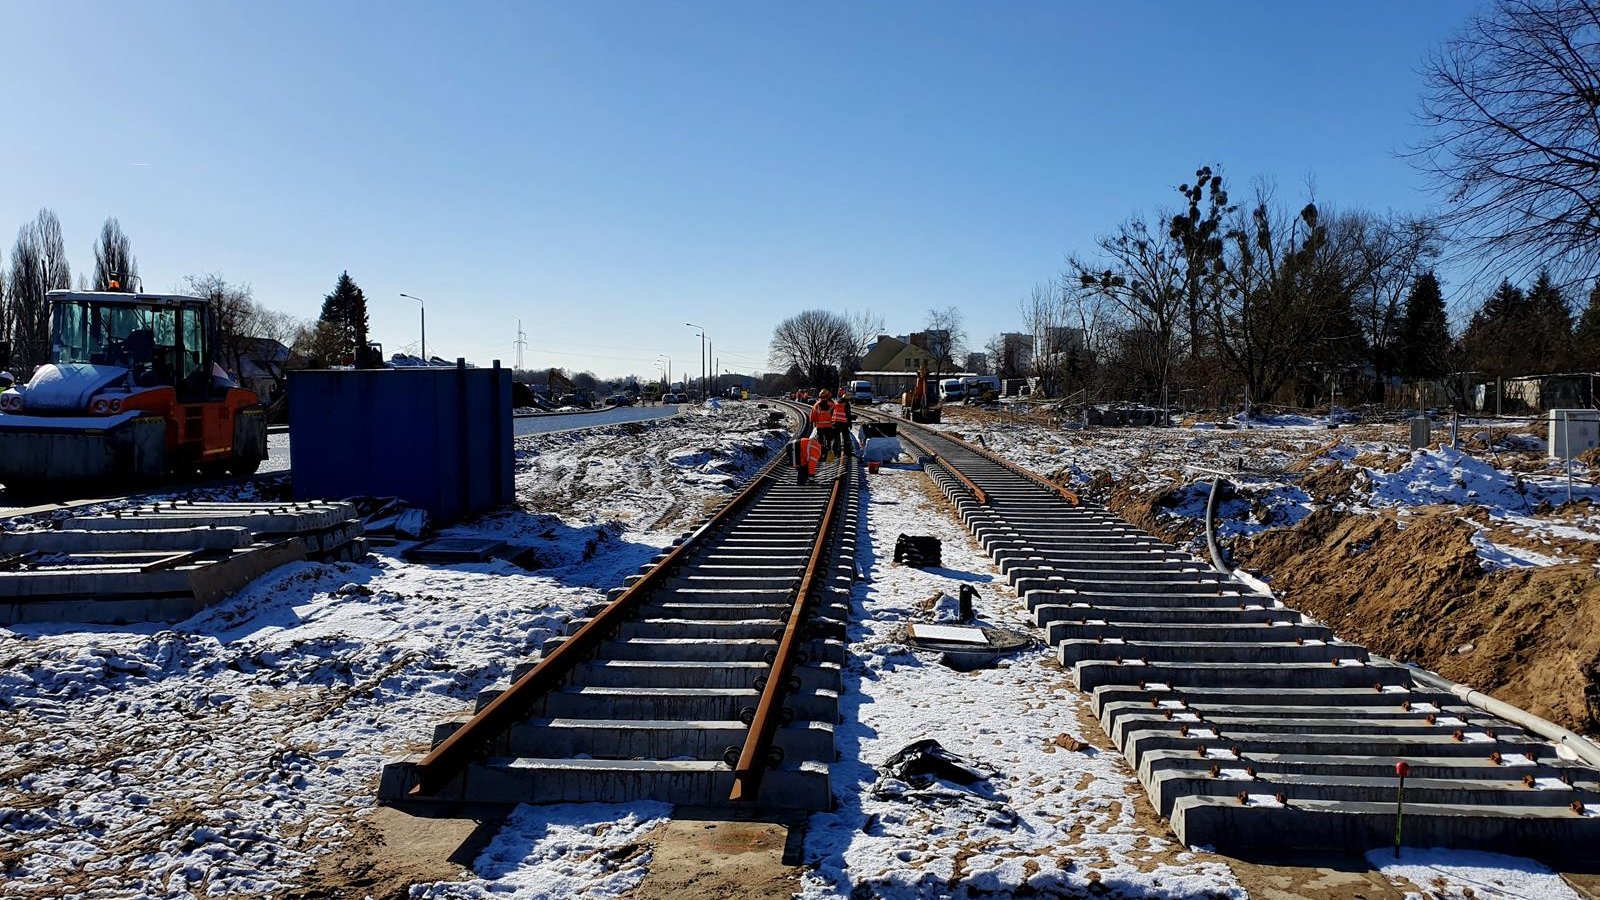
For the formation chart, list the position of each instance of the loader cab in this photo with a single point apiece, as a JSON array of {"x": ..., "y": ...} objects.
[{"x": 162, "y": 340}]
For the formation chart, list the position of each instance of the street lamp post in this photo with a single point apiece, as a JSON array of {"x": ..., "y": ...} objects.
[
  {"x": 702, "y": 357},
  {"x": 422, "y": 311}
]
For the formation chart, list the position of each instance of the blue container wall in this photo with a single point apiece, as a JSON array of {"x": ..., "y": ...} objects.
[{"x": 439, "y": 439}]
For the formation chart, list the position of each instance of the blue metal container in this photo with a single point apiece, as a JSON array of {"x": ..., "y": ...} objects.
[{"x": 437, "y": 438}]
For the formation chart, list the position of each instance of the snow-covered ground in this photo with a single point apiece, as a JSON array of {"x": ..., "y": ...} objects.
[
  {"x": 220, "y": 755},
  {"x": 1061, "y": 816},
  {"x": 1502, "y": 470},
  {"x": 223, "y": 755}
]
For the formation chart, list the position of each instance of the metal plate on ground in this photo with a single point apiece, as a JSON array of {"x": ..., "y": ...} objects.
[
  {"x": 948, "y": 634},
  {"x": 454, "y": 550}
]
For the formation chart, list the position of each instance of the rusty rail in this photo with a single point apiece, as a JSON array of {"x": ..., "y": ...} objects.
[
  {"x": 452, "y": 755},
  {"x": 979, "y": 493},
  {"x": 757, "y": 754},
  {"x": 1066, "y": 493}
]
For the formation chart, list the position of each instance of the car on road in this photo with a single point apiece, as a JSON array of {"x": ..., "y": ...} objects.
[
  {"x": 670, "y": 397},
  {"x": 619, "y": 400}
]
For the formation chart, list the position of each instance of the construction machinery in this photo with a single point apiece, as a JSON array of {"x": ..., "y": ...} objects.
[
  {"x": 920, "y": 404},
  {"x": 132, "y": 390},
  {"x": 567, "y": 393}
]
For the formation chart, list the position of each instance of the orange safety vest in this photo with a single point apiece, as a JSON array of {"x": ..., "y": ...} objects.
[
  {"x": 841, "y": 414},
  {"x": 822, "y": 415},
  {"x": 810, "y": 454}
]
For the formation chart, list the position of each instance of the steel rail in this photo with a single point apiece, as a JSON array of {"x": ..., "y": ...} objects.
[
  {"x": 1067, "y": 494},
  {"x": 452, "y": 755},
  {"x": 757, "y": 753},
  {"x": 979, "y": 493}
]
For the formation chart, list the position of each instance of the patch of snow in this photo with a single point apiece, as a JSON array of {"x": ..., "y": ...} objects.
[
  {"x": 1463, "y": 873},
  {"x": 582, "y": 851}
]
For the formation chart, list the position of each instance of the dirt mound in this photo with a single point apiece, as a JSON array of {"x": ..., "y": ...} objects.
[
  {"x": 1331, "y": 483},
  {"x": 1150, "y": 510},
  {"x": 1529, "y": 636}
]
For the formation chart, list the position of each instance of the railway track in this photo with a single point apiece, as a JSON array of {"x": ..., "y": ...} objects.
[
  {"x": 712, "y": 678},
  {"x": 1249, "y": 725}
]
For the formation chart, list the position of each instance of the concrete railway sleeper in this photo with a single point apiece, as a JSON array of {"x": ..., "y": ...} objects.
[
  {"x": 1249, "y": 725},
  {"x": 712, "y": 677}
]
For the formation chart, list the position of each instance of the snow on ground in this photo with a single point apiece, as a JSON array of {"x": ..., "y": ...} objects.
[
  {"x": 218, "y": 756},
  {"x": 1052, "y": 823},
  {"x": 1523, "y": 494},
  {"x": 571, "y": 851},
  {"x": 1449, "y": 874}
]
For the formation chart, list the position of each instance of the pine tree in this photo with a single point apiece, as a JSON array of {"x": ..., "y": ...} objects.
[
  {"x": 344, "y": 321},
  {"x": 1424, "y": 335},
  {"x": 1492, "y": 342},
  {"x": 1586, "y": 337},
  {"x": 1548, "y": 342}
]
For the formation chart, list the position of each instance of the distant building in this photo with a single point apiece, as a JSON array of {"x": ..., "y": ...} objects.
[
  {"x": 978, "y": 363},
  {"x": 261, "y": 365},
  {"x": 892, "y": 354},
  {"x": 1016, "y": 354}
]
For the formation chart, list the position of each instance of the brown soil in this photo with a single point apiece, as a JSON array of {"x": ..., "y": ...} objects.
[
  {"x": 389, "y": 851},
  {"x": 1145, "y": 509},
  {"x": 716, "y": 859},
  {"x": 1529, "y": 636}
]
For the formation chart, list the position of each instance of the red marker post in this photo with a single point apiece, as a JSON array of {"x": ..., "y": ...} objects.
[{"x": 1400, "y": 769}]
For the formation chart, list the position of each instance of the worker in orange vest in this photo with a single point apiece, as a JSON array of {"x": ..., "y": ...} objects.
[
  {"x": 822, "y": 420},
  {"x": 841, "y": 423},
  {"x": 806, "y": 454}
]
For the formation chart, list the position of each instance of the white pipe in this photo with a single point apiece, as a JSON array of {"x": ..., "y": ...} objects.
[{"x": 1580, "y": 746}]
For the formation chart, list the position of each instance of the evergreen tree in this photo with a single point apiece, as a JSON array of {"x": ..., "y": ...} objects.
[
  {"x": 1492, "y": 342},
  {"x": 1586, "y": 337},
  {"x": 343, "y": 322},
  {"x": 1424, "y": 341},
  {"x": 1548, "y": 342}
]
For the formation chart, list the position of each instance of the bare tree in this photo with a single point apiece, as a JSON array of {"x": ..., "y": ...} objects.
[
  {"x": 946, "y": 337},
  {"x": 246, "y": 331},
  {"x": 1388, "y": 253},
  {"x": 1138, "y": 286},
  {"x": 815, "y": 342},
  {"x": 1287, "y": 306},
  {"x": 115, "y": 266},
  {"x": 1513, "y": 133},
  {"x": 865, "y": 326},
  {"x": 38, "y": 266}
]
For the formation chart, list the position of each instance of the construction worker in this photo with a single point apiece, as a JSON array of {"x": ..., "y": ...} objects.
[
  {"x": 806, "y": 454},
  {"x": 822, "y": 420},
  {"x": 842, "y": 417}
]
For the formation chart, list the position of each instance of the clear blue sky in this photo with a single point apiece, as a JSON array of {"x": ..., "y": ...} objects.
[{"x": 608, "y": 171}]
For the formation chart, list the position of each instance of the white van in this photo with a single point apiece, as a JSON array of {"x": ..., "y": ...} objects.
[
  {"x": 952, "y": 389},
  {"x": 978, "y": 385},
  {"x": 861, "y": 392}
]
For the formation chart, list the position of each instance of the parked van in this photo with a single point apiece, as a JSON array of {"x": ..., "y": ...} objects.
[
  {"x": 861, "y": 392},
  {"x": 978, "y": 385},
  {"x": 952, "y": 389}
]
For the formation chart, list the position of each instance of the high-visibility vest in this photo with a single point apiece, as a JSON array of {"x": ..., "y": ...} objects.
[
  {"x": 809, "y": 451},
  {"x": 822, "y": 414},
  {"x": 841, "y": 415}
]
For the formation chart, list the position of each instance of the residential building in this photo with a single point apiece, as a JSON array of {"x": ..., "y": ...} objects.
[{"x": 892, "y": 354}]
